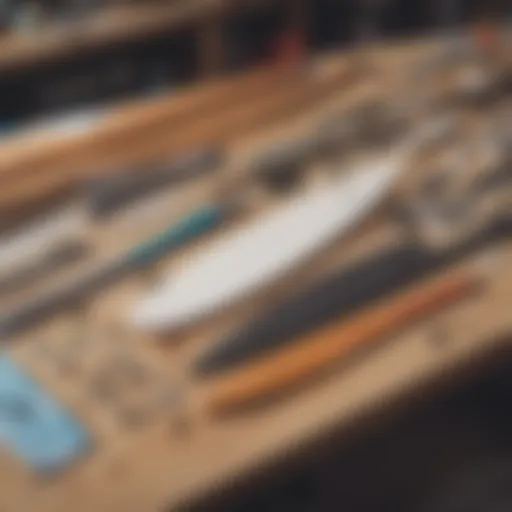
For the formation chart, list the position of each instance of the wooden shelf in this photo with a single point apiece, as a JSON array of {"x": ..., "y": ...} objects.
[{"x": 115, "y": 25}]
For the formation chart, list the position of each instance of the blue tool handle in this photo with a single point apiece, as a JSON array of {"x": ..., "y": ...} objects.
[{"x": 193, "y": 225}]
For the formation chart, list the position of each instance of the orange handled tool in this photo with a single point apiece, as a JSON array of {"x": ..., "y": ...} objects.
[{"x": 312, "y": 353}]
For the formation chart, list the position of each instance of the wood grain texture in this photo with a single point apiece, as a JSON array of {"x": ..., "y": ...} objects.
[
  {"x": 289, "y": 366},
  {"x": 132, "y": 120},
  {"x": 111, "y": 24},
  {"x": 47, "y": 173}
]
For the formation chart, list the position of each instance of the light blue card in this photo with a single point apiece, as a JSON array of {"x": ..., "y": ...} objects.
[{"x": 33, "y": 425}]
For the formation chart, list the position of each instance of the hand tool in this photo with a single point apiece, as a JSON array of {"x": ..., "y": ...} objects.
[
  {"x": 55, "y": 173},
  {"x": 338, "y": 294},
  {"x": 108, "y": 194},
  {"x": 40, "y": 240},
  {"x": 191, "y": 226},
  {"x": 53, "y": 242},
  {"x": 369, "y": 279},
  {"x": 61, "y": 256},
  {"x": 310, "y": 354},
  {"x": 44, "y": 246}
]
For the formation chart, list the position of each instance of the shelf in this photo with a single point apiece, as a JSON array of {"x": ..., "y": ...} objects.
[{"x": 114, "y": 25}]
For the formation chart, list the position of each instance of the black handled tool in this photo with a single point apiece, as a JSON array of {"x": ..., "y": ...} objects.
[
  {"x": 108, "y": 194},
  {"x": 193, "y": 225},
  {"x": 336, "y": 295},
  {"x": 66, "y": 254},
  {"x": 344, "y": 292}
]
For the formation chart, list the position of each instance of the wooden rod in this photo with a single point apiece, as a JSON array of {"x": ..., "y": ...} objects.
[
  {"x": 26, "y": 156},
  {"x": 297, "y": 363},
  {"x": 167, "y": 142}
]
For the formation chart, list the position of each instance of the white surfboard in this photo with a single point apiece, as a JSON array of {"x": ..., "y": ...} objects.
[{"x": 262, "y": 251}]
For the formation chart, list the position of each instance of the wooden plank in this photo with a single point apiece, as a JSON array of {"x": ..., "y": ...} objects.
[
  {"x": 310, "y": 355},
  {"x": 45, "y": 174},
  {"x": 135, "y": 117},
  {"x": 39, "y": 157},
  {"x": 114, "y": 24}
]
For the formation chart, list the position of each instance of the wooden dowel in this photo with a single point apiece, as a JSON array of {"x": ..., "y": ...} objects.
[
  {"x": 166, "y": 142},
  {"x": 128, "y": 123},
  {"x": 292, "y": 365}
]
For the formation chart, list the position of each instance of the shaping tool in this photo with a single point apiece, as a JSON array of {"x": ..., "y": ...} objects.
[
  {"x": 107, "y": 195},
  {"x": 39, "y": 240},
  {"x": 312, "y": 353},
  {"x": 191, "y": 226},
  {"x": 336, "y": 295},
  {"x": 48, "y": 262},
  {"x": 37, "y": 249}
]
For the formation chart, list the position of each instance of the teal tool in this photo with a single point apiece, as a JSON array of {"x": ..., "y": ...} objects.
[
  {"x": 34, "y": 426},
  {"x": 196, "y": 223}
]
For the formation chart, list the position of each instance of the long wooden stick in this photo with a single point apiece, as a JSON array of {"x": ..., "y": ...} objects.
[
  {"x": 310, "y": 354},
  {"x": 165, "y": 141},
  {"x": 132, "y": 121}
]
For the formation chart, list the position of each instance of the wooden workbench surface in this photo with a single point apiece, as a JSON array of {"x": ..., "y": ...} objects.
[{"x": 179, "y": 452}]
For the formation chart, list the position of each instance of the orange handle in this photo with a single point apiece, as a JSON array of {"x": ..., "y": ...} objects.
[{"x": 311, "y": 353}]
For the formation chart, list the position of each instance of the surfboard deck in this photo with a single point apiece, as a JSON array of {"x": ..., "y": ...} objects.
[{"x": 266, "y": 248}]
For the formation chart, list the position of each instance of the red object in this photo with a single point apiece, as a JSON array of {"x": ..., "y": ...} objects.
[
  {"x": 486, "y": 36},
  {"x": 288, "y": 48}
]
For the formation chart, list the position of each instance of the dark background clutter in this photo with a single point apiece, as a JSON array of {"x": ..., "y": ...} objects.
[{"x": 130, "y": 65}]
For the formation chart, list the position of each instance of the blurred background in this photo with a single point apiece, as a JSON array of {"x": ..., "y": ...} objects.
[
  {"x": 61, "y": 56},
  {"x": 67, "y": 66}
]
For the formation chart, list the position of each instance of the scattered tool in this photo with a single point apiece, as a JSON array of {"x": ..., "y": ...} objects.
[
  {"x": 45, "y": 172},
  {"x": 193, "y": 225},
  {"x": 59, "y": 239},
  {"x": 368, "y": 280},
  {"x": 47, "y": 263},
  {"x": 106, "y": 195},
  {"x": 310, "y": 354},
  {"x": 280, "y": 166},
  {"x": 334, "y": 296},
  {"x": 39, "y": 241}
]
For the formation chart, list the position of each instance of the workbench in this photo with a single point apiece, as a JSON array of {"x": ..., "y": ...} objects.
[{"x": 179, "y": 453}]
